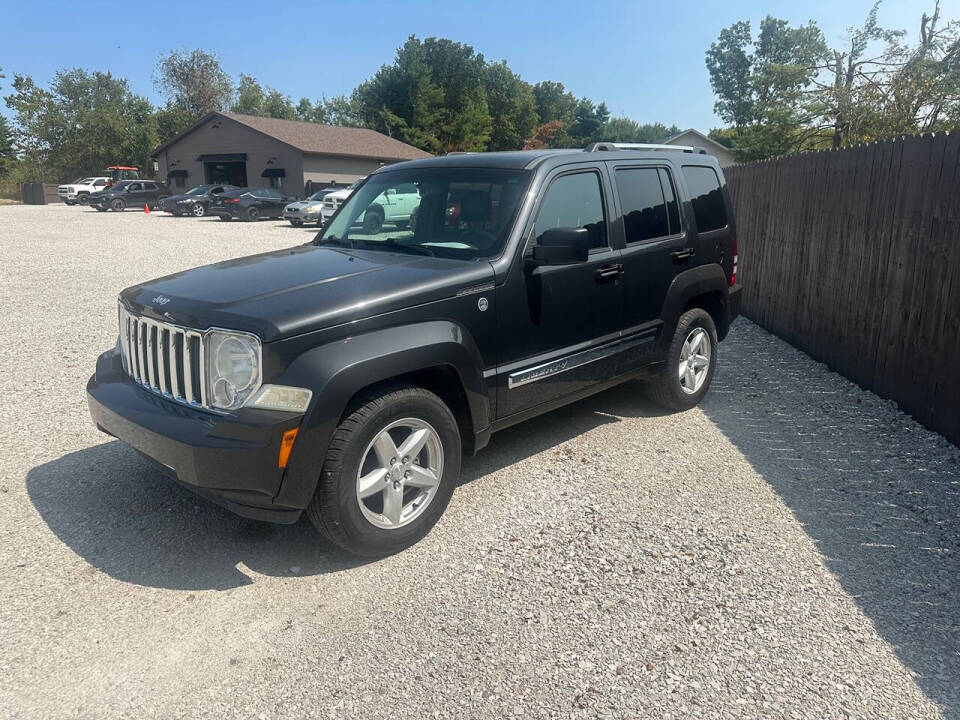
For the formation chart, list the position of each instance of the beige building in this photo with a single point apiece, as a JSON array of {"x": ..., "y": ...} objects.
[
  {"x": 251, "y": 151},
  {"x": 698, "y": 139}
]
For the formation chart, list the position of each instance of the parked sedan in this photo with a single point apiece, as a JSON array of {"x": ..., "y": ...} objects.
[
  {"x": 130, "y": 193},
  {"x": 195, "y": 201},
  {"x": 306, "y": 211},
  {"x": 249, "y": 204}
]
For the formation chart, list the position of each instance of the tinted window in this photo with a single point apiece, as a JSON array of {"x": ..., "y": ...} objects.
[
  {"x": 643, "y": 204},
  {"x": 149, "y": 186},
  {"x": 133, "y": 187},
  {"x": 575, "y": 201},
  {"x": 706, "y": 198}
]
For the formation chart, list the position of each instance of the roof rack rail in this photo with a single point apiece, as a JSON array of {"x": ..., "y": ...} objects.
[{"x": 607, "y": 146}]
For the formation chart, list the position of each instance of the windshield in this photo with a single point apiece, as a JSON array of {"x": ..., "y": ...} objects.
[
  {"x": 448, "y": 212},
  {"x": 85, "y": 181},
  {"x": 318, "y": 195},
  {"x": 199, "y": 190}
]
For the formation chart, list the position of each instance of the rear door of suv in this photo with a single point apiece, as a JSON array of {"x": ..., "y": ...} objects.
[{"x": 657, "y": 244}]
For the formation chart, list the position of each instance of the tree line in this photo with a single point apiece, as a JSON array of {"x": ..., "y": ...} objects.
[
  {"x": 785, "y": 89},
  {"x": 437, "y": 94}
]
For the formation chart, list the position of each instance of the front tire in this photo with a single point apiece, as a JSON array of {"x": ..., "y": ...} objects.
[
  {"x": 690, "y": 363},
  {"x": 83, "y": 199},
  {"x": 118, "y": 205},
  {"x": 389, "y": 473},
  {"x": 253, "y": 214},
  {"x": 199, "y": 210}
]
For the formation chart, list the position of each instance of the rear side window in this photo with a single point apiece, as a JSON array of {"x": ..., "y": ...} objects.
[
  {"x": 706, "y": 197},
  {"x": 643, "y": 204},
  {"x": 575, "y": 201}
]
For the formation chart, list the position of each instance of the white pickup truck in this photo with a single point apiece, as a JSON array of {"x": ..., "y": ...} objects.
[
  {"x": 79, "y": 190},
  {"x": 395, "y": 206}
]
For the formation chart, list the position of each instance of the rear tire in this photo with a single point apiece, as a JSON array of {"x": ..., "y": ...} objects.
[
  {"x": 199, "y": 210},
  {"x": 253, "y": 214},
  {"x": 684, "y": 378},
  {"x": 355, "y": 524}
]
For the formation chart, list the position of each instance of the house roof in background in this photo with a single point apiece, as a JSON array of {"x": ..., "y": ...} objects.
[
  {"x": 705, "y": 138},
  {"x": 316, "y": 138}
]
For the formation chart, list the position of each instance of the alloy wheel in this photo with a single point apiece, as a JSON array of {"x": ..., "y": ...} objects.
[
  {"x": 694, "y": 360},
  {"x": 399, "y": 473}
]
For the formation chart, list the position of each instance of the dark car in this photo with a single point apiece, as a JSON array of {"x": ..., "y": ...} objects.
[
  {"x": 249, "y": 204},
  {"x": 347, "y": 377},
  {"x": 130, "y": 193},
  {"x": 194, "y": 201}
]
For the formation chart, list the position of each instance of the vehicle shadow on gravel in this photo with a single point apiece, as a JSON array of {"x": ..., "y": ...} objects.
[
  {"x": 128, "y": 520},
  {"x": 878, "y": 494},
  {"x": 133, "y": 523}
]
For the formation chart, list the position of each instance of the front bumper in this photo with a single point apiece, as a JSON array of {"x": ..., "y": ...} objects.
[
  {"x": 301, "y": 216},
  {"x": 229, "y": 459}
]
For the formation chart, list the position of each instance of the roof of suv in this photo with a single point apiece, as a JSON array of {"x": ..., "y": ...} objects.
[{"x": 529, "y": 159}]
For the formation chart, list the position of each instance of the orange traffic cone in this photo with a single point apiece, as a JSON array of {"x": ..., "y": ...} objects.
[{"x": 146, "y": 208}]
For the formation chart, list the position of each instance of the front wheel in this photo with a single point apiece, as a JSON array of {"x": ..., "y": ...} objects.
[
  {"x": 690, "y": 363},
  {"x": 389, "y": 473},
  {"x": 83, "y": 199},
  {"x": 118, "y": 204},
  {"x": 253, "y": 214},
  {"x": 199, "y": 210}
]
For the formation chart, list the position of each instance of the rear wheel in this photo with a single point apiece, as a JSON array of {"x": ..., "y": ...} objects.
[
  {"x": 199, "y": 210},
  {"x": 372, "y": 220},
  {"x": 691, "y": 360},
  {"x": 389, "y": 473},
  {"x": 253, "y": 214},
  {"x": 118, "y": 204}
]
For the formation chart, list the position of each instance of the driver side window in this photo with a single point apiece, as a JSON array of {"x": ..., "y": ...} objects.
[{"x": 575, "y": 201}]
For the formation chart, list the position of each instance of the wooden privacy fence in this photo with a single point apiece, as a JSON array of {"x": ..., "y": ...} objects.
[{"x": 853, "y": 256}]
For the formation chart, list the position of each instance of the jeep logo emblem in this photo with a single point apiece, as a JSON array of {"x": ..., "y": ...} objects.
[
  {"x": 160, "y": 300},
  {"x": 483, "y": 304}
]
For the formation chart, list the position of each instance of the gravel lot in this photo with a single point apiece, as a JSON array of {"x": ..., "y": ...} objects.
[{"x": 788, "y": 550}]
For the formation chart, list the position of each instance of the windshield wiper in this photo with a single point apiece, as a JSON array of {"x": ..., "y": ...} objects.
[
  {"x": 395, "y": 244},
  {"x": 334, "y": 240}
]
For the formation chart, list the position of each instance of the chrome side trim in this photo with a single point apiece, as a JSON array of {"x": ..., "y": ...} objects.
[
  {"x": 483, "y": 287},
  {"x": 569, "y": 362}
]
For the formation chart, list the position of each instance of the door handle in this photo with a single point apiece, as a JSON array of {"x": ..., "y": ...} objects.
[
  {"x": 609, "y": 273},
  {"x": 682, "y": 255}
]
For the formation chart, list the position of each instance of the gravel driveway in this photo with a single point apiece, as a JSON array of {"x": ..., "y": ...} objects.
[{"x": 788, "y": 550}]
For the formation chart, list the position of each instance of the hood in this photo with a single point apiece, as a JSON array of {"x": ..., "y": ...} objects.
[
  {"x": 289, "y": 292},
  {"x": 301, "y": 204}
]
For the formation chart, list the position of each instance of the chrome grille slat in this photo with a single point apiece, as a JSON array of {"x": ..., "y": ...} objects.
[{"x": 154, "y": 360}]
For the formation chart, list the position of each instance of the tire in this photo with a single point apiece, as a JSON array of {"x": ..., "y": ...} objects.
[
  {"x": 118, "y": 204},
  {"x": 372, "y": 221},
  {"x": 199, "y": 210},
  {"x": 83, "y": 198},
  {"x": 253, "y": 214},
  {"x": 296, "y": 223},
  {"x": 668, "y": 389},
  {"x": 357, "y": 525},
  {"x": 69, "y": 202}
]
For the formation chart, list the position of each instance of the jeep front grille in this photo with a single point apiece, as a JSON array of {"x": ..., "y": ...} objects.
[{"x": 164, "y": 358}]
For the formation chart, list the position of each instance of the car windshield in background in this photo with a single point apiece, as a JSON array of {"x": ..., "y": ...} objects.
[
  {"x": 448, "y": 212},
  {"x": 319, "y": 195},
  {"x": 199, "y": 190}
]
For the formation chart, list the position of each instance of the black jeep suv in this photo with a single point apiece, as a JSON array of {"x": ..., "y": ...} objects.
[
  {"x": 130, "y": 193},
  {"x": 347, "y": 377}
]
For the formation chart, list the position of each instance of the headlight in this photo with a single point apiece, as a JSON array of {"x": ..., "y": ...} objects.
[
  {"x": 233, "y": 368},
  {"x": 311, "y": 209}
]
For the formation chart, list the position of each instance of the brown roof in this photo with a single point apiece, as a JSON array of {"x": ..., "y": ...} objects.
[{"x": 322, "y": 139}]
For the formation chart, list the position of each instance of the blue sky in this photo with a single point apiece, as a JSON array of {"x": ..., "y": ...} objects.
[{"x": 645, "y": 59}]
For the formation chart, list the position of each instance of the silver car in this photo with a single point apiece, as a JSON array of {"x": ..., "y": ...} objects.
[{"x": 305, "y": 212}]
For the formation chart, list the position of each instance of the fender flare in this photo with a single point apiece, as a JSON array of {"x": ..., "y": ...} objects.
[
  {"x": 337, "y": 371},
  {"x": 689, "y": 284}
]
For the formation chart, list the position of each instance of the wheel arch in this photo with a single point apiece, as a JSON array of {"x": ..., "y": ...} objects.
[
  {"x": 439, "y": 356},
  {"x": 704, "y": 287}
]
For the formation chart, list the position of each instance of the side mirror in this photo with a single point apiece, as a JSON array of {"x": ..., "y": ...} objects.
[{"x": 562, "y": 246}]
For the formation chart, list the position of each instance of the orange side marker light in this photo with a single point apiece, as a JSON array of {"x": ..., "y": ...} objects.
[{"x": 286, "y": 446}]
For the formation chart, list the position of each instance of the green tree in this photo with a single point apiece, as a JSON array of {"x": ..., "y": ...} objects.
[
  {"x": 83, "y": 123},
  {"x": 512, "y": 106},
  {"x": 432, "y": 96},
  {"x": 623, "y": 129},
  {"x": 253, "y": 99},
  {"x": 194, "y": 84},
  {"x": 8, "y": 153}
]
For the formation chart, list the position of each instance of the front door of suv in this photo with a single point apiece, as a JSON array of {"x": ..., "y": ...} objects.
[{"x": 552, "y": 317}]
